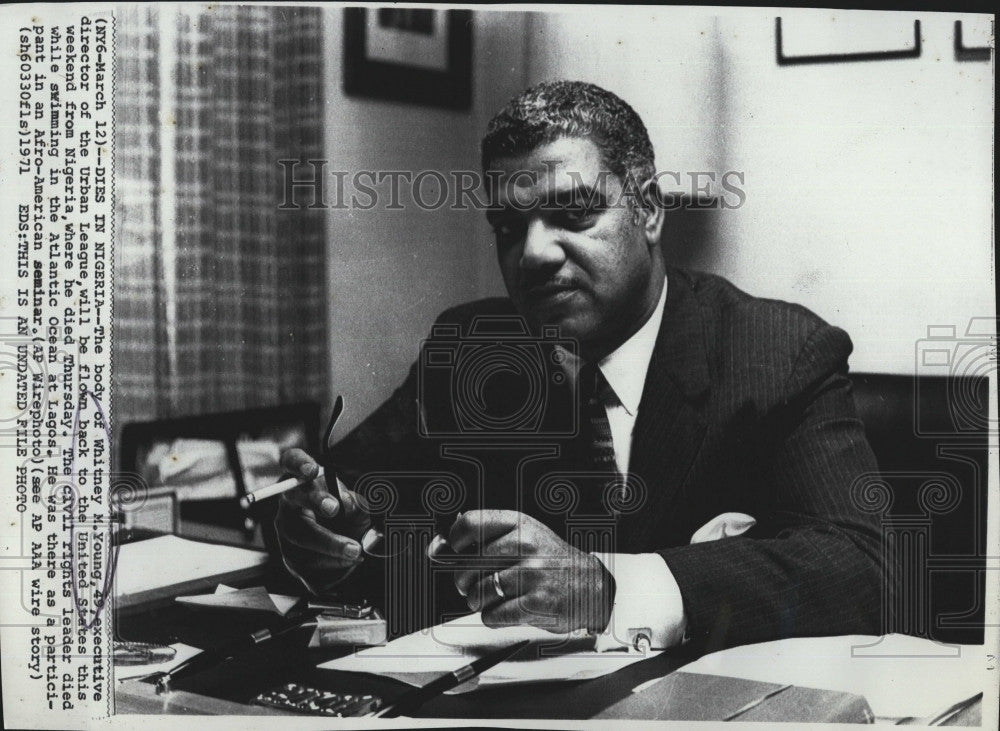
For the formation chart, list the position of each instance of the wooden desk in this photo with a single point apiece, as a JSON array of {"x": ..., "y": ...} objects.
[
  {"x": 240, "y": 679},
  {"x": 227, "y": 689}
]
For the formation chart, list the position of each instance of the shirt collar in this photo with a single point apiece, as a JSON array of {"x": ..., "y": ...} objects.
[{"x": 625, "y": 369}]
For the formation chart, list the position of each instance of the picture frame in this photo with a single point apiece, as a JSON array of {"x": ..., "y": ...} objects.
[
  {"x": 784, "y": 59},
  {"x": 411, "y": 55}
]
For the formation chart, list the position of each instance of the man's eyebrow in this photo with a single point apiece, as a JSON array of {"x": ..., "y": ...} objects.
[{"x": 580, "y": 193}]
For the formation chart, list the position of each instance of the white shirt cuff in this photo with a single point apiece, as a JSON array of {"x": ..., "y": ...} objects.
[{"x": 647, "y": 601}]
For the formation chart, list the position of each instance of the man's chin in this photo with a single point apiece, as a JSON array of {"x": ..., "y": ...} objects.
[{"x": 570, "y": 322}]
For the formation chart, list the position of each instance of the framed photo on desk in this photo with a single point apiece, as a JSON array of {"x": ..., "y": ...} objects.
[{"x": 207, "y": 462}]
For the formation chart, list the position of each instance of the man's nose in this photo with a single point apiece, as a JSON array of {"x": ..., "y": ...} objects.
[{"x": 542, "y": 249}]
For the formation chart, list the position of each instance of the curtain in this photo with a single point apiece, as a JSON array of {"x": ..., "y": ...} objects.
[{"x": 219, "y": 296}]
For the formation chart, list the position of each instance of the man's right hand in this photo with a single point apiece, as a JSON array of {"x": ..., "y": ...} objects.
[{"x": 319, "y": 532}]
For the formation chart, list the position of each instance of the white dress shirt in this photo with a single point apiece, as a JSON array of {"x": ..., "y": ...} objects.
[{"x": 647, "y": 595}]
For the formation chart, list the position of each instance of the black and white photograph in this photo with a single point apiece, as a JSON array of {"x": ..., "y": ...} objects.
[{"x": 458, "y": 365}]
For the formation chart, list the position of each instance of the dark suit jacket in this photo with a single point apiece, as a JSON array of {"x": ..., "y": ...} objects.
[{"x": 746, "y": 408}]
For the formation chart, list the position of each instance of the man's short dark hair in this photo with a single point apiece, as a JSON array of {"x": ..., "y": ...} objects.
[{"x": 554, "y": 109}]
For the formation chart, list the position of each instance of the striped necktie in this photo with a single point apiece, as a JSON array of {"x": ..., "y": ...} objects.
[{"x": 593, "y": 391}]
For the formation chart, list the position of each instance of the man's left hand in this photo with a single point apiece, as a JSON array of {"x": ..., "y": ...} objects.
[{"x": 543, "y": 580}]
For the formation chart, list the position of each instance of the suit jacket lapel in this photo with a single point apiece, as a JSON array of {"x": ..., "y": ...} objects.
[{"x": 669, "y": 428}]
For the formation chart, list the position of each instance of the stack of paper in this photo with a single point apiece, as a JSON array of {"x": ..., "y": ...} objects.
[
  {"x": 164, "y": 567},
  {"x": 254, "y": 598},
  {"x": 422, "y": 656}
]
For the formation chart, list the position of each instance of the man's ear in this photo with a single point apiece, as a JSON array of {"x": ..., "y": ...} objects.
[{"x": 652, "y": 205}]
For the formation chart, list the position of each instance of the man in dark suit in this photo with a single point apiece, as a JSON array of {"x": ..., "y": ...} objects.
[{"x": 714, "y": 449}]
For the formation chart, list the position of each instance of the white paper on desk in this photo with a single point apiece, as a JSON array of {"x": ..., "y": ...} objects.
[
  {"x": 420, "y": 657},
  {"x": 898, "y": 675},
  {"x": 254, "y": 598},
  {"x": 168, "y": 561}
]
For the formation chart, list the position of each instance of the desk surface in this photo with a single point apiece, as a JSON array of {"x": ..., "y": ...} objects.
[
  {"x": 239, "y": 680},
  {"x": 228, "y": 688}
]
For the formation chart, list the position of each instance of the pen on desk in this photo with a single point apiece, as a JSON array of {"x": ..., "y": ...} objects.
[
  {"x": 412, "y": 700},
  {"x": 754, "y": 703},
  {"x": 214, "y": 655},
  {"x": 944, "y": 716}
]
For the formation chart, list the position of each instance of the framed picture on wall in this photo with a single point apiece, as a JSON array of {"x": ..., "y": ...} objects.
[{"x": 414, "y": 55}]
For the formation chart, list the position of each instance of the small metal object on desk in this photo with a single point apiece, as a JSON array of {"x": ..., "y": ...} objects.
[
  {"x": 141, "y": 653},
  {"x": 341, "y": 609},
  {"x": 641, "y": 639},
  {"x": 303, "y": 699}
]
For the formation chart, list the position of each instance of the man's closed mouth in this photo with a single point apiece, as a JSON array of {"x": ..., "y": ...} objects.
[{"x": 551, "y": 292}]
